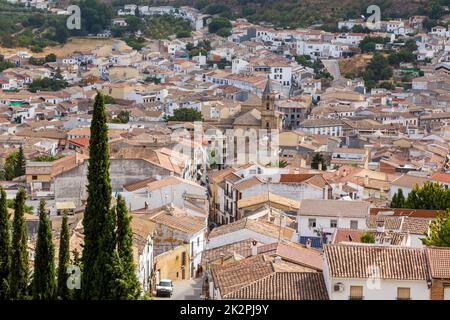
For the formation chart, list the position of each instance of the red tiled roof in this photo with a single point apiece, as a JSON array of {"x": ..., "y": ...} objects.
[
  {"x": 439, "y": 261},
  {"x": 284, "y": 286},
  {"x": 138, "y": 184},
  {"x": 416, "y": 213},
  {"x": 359, "y": 261},
  {"x": 441, "y": 177},
  {"x": 347, "y": 235},
  {"x": 82, "y": 142},
  {"x": 235, "y": 275},
  {"x": 295, "y": 178}
]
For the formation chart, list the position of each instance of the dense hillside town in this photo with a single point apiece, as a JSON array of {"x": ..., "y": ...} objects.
[{"x": 204, "y": 157}]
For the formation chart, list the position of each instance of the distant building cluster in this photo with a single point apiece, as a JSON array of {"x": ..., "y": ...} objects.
[{"x": 315, "y": 160}]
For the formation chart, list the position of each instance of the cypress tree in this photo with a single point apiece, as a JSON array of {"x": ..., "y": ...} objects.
[
  {"x": 19, "y": 169},
  {"x": 394, "y": 201},
  {"x": 18, "y": 283},
  {"x": 76, "y": 261},
  {"x": 44, "y": 276},
  {"x": 64, "y": 256},
  {"x": 400, "y": 199},
  {"x": 97, "y": 215},
  {"x": 5, "y": 246},
  {"x": 127, "y": 280},
  {"x": 105, "y": 261}
]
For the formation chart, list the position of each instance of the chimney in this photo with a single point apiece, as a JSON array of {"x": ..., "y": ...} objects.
[
  {"x": 320, "y": 166},
  {"x": 366, "y": 180},
  {"x": 171, "y": 209},
  {"x": 221, "y": 258},
  {"x": 308, "y": 243},
  {"x": 277, "y": 260},
  {"x": 380, "y": 226},
  {"x": 254, "y": 248},
  {"x": 378, "y": 240}
]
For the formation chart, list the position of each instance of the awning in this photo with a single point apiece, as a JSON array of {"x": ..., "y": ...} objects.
[{"x": 65, "y": 205}]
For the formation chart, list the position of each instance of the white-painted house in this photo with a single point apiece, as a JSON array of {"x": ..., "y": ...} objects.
[
  {"x": 154, "y": 194},
  {"x": 244, "y": 229},
  {"x": 143, "y": 250},
  {"x": 318, "y": 219},
  {"x": 371, "y": 272},
  {"x": 406, "y": 182}
]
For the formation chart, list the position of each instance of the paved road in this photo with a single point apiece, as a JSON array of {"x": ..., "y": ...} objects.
[
  {"x": 185, "y": 290},
  {"x": 332, "y": 67}
]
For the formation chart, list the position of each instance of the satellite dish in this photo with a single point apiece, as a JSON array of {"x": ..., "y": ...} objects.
[{"x": 363, "y": 17}]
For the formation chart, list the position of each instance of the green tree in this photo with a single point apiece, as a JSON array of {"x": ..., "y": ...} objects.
[
  {"x": 47, "y": 84},
  {"x": 439, "y": 231},
  {"x": 185, "y": 114},
  {"x": 282, "y": 163},
  {"x": 61, "y": 35},
  {"x": 398, "y": 200},
  {"x": 368, "y": 237},
  {"x": 63, "y": 260},
  {"x": 431, "y": 196},
  {"x": 377, "y": 69},
  {"x": 77, "y": 260},
  {"x": 110, "y": 100},
  {"x": 218, "y": 23},
  {"x": 19, "y": 281},
  {"x": 50, "y": 57},
  {"x": 6, "y": 65},
  {"x": 96, "y": 16},
  {"x": 304, "y": 60},
  {"x": 394, "y": 201},
  {"x": 19, "y": 169},
  {"x": 125, "y": 282},
  {"x": 224, "y": 32},
  {"x": 184, "y": 34},
  {"x": 9, "y": 166},
  {"x": 122, "y": 117},
  {"x": 318, "y": 158},
  {"x": 368, "y": 44},
  {"x": 5, "y": 246},
  {"x": 44, "y": 276},
  {"x": 98, "y": 221}
]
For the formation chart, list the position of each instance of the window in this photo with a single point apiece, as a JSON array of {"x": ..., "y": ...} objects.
[
  {"x": 312, "y": 223},
  {"x": 198, "y": 242},
  {"x": 353, "y": 224},
  {"x": 333, "y": 223},
  {"x": 403, "y": 293},
  {"x": 356, "y": 293},
  {"x": 34, "y": 177}
]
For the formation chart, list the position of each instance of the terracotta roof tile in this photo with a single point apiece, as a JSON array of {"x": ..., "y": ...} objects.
[
  {"x": 235, "y": 275},
  {"x": 133, "y": 186},
  {"x": 335, "y": 208},
  {"x": 441, "y": 177},
  {"x": 439, "y": 261},
  {"x": 401, "y": 263},
  {"x": 175, "y": 218},
  {"x": 284, "y": 286},
  {"x": 259, "y": 226}
]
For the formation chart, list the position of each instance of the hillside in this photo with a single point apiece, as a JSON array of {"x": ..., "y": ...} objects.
[{"x": 296, "y": 13}]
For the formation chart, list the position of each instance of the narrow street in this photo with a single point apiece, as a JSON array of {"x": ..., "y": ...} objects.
[
  {"x": 185, "y": 290},
  {"x": 332, "y": 67}
]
